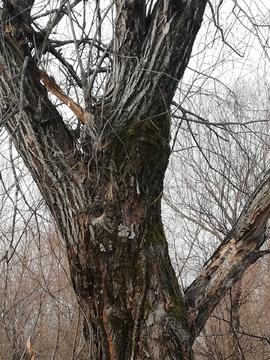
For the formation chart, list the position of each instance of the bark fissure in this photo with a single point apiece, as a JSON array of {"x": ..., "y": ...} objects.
[{"x": 156, "y": 66}]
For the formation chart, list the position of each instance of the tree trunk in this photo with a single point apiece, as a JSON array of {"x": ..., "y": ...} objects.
[
  {"x": 120, "y": 267},
  {"x": 104, "y": 191}
]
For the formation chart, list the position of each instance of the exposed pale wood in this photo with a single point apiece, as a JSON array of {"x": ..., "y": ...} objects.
[{"x": 239, "y": 250}]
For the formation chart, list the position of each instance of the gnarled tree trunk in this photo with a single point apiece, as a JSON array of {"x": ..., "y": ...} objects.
[{"x": 104, "y": 190}]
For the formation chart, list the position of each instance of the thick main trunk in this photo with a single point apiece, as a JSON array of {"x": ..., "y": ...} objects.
[
  {"x": 129, "y": 293},
  {"x": 121, "y": 271}
]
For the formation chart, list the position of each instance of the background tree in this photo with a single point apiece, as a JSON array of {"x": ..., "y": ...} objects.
[
  {"x": 211, "y": 174},
  {"x": 39, "y": 313},
  {"x": 104, "y": 187}
]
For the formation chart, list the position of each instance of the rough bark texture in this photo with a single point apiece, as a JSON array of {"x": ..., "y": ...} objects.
[
  {"x": 236, "y": 253},
  {"x": 105, "y": 190}
]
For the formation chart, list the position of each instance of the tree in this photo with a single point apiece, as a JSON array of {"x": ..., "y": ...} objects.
[{"x": 104, "y": 185}]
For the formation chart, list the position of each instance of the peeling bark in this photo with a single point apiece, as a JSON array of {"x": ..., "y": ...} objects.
[{"x": 236, "y": 253}]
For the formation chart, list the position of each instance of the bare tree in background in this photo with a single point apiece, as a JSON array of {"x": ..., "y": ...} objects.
[
  {"x": 40, "y": 317},
  {"x": 103, "y": 182},
  {"x": 39, "y": 314},
  {"x": 212, "y": 172}
]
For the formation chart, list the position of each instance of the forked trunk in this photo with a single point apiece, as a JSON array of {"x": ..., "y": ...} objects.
[{"x": 104, "y": 189}]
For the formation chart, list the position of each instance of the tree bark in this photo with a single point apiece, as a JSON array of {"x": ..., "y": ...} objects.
[
  {"x": 104, "y": 191},
  {"x": 236, "y": 253}
]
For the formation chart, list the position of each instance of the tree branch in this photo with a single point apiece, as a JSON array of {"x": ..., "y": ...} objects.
[
  {"x": 145, "y": 62},
  {"x": 45, "y": 143},
  {"x": 236, "y": 253}
]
